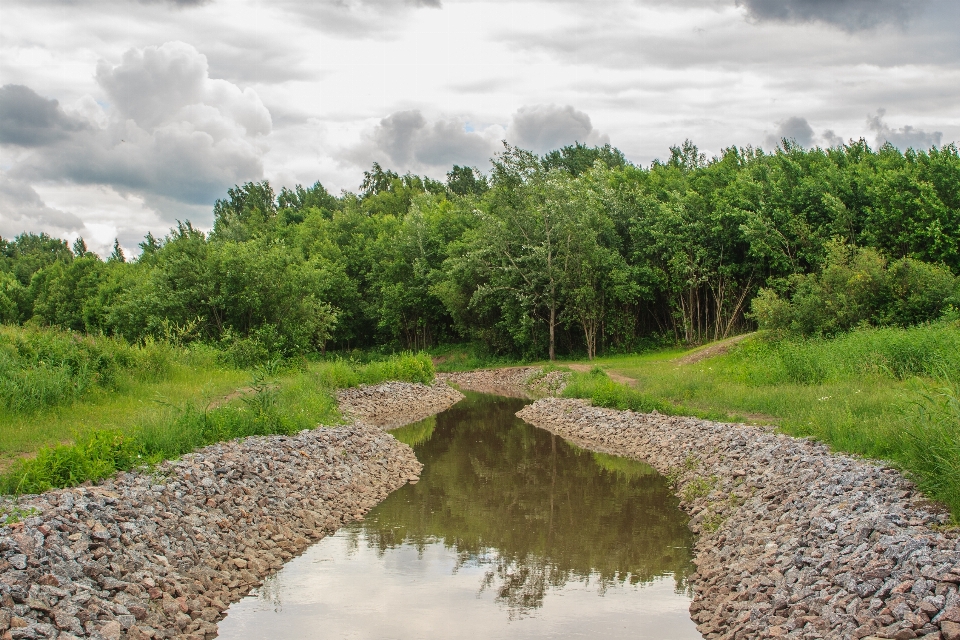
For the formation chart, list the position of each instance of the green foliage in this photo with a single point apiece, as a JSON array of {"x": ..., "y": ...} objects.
[
  {"x": 41, "y": 368},
  {"x": 575, "y": 252},
  {"x": 857, "y": 287}
]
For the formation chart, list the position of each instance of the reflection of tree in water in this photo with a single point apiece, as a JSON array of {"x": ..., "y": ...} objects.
[
  {"x": 538, "y": 511},
  {"x": 270, "y": 591}
]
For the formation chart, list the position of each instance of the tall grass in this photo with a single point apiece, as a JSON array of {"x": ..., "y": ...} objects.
[
  {"x": 893, "y": 352},
  {"x": 43, "y": 368},
  {"x": 280, "y": 402},
  {"x": 931, "y": 442},
  {"x": 597, "y": 386}
]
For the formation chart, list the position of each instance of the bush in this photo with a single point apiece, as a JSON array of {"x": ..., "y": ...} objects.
[
  {"x": 243, "y": 353},
  {"x": 856, "y": 288}
]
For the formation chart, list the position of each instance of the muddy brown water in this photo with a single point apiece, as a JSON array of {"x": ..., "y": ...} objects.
[{"x": 511, "y": 532}]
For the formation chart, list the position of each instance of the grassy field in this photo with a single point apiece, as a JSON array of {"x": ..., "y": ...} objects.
[
  {"x": 890, "y": 394},
  {"x": 96, "y": 411}
]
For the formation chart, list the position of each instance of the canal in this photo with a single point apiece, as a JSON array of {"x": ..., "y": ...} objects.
[{"x": 511, "y": 532}]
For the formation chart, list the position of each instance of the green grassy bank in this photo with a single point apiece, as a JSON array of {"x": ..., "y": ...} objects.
[
  {"x": 891, "y": 394},
  {"x": 96, "y": 409}
]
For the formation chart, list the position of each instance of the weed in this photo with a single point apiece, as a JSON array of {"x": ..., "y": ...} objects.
[
  {"x": 11, "y": 514},
  {"x": 698, "y": 488},
  {"x": 712, "y": 522}
]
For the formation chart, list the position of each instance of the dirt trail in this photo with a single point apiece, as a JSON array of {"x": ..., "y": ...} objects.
[
  {"x": 711, "y": 350},
  {"x": 613, "y": 375}
]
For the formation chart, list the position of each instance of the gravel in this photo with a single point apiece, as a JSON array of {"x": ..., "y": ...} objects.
[
  {"x": 392, "y": 404},
  {"x": 161, "y": 553}
]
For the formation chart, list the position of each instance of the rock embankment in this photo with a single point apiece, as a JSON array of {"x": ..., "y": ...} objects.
[
  {"x": 392, "y": 404},
  {"x": 515, "y": 382},
  {"x": 794, "y": 541},
  {"x": 161, "y": 554}
]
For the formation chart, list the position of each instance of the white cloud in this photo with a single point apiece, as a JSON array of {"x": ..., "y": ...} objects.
[
  {"x": 422, "y": 85},
  {"x": 407, "y": 141}
]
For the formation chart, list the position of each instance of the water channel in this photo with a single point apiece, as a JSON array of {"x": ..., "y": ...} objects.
[{"x": 511, "y": 532}]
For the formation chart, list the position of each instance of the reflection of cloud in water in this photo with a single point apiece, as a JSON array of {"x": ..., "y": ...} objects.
[
  {"x": 406, "y": 594},
  {"x": 510, "y": 533}
]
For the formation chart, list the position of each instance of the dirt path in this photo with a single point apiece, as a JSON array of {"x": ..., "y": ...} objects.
[
  {"x": 612, "y": 374},
  {"x": 711, "y": 350}
]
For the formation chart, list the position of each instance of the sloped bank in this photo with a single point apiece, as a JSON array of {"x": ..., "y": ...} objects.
[
  {"x": 162, "y": 554},
  {"x": 794, "y": 541}
]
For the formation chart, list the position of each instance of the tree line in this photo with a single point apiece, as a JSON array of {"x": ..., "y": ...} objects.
[{"x": 574, "y": 252}]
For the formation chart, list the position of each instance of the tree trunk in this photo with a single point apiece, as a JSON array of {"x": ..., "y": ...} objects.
[{"x": 553, "y": 325}]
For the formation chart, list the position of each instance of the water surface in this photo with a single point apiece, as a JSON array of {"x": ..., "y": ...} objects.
[{"x": 510, "y": 533}]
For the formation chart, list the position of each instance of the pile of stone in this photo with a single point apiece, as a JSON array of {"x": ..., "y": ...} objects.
[
  {"x": 392, "y": 404},
  {"x": 515, "y": 382},
  {"x": 161, "y": 553},
  {"x": 794, "y": 542}
]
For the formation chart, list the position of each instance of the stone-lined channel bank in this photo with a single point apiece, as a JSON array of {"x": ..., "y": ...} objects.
[
  {"x": 794, "y": 542},
  {"x": 162, "y": 554}
]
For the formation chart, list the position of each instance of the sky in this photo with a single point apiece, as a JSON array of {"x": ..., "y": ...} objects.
[{"x": 119, "y": 117}]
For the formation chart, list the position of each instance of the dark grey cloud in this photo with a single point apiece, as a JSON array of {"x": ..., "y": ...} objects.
[
  {"x": 906, "y": 137},
  {"x": 22, "y": 209},
  {"x": 175, "y": 162},
  {"x": 545, "y": 127},
  {"x": 849, "y": 15},
  {"x": 406, "y": 140},
  {"x": 796, "y": 129},
  {"x": 29, "y": 120},
  {"x": 716, "y": 39}
]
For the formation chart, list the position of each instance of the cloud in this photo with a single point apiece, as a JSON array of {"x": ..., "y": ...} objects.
[
  {"x": 155, "y": 85},
  {"x": 407, "y": 141},
  {"x": 796, "y": 129},
  {"x": 22, "y": 209},
  {"x": 905, "y": 137},
  {"x": 29, "y": 120},
  {"x": 357, "y": 18},
  {"x": 849, "y": 15},
  {"x": 172, "y": 133},
  {"x": 546, "y": 127}
]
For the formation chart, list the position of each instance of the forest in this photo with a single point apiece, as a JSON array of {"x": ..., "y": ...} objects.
[{"x": 577, "y": 252}]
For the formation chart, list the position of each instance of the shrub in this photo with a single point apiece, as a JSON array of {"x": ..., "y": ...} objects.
[{"x": 857, "y": 287}]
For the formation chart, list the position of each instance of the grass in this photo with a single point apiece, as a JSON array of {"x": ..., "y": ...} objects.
[
  {"x": 92, "y": 439},
  {"x": 888, "y": 394},
  {"x": 466, "y": 358}
]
